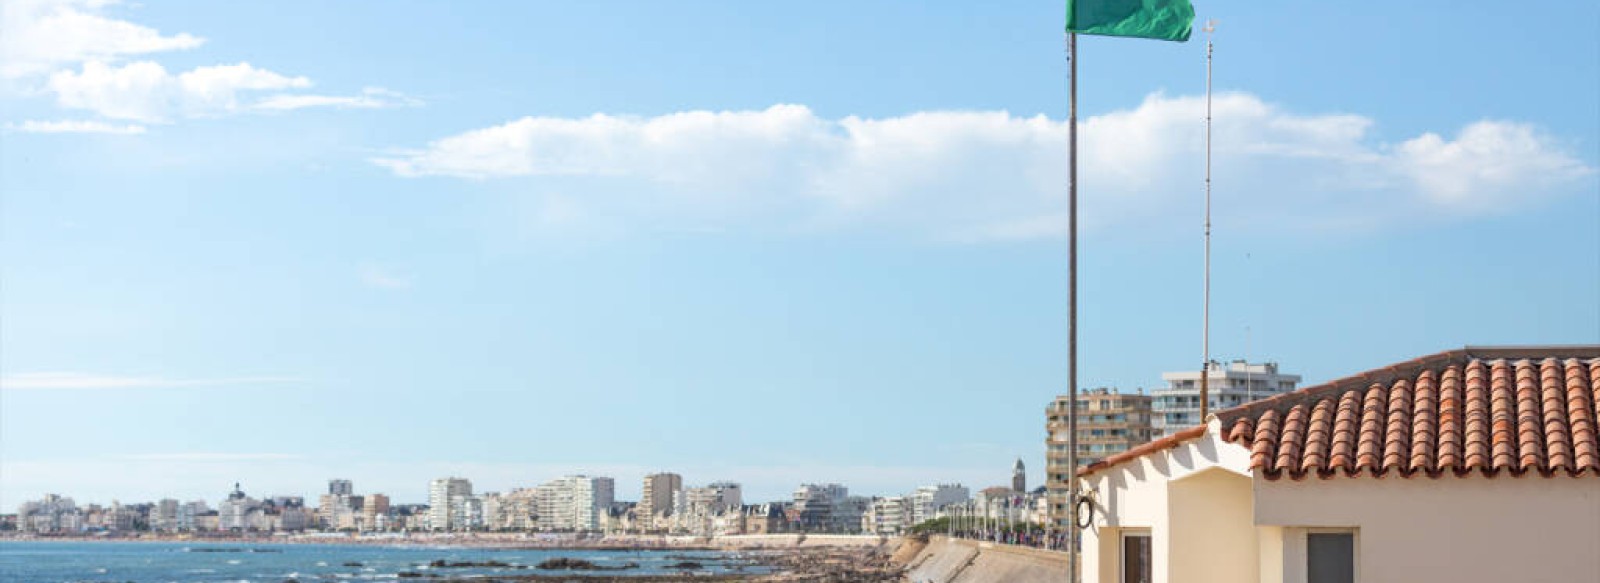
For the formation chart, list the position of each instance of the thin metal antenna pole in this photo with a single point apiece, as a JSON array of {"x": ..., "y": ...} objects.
[
  {"x": 1249, "y": 379},
  {"x": 1072, "y": 311},
  {"x": 1205, "y": 326}
]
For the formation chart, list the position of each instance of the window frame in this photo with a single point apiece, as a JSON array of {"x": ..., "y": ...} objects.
[
  {"x": 1123, "y": 534},
  {"x": 1355, "y": 549}
]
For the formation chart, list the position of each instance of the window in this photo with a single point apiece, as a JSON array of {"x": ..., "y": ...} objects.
[
  {"x": 1330, "y": 557},
  {"x": 1136, "y": 557}
]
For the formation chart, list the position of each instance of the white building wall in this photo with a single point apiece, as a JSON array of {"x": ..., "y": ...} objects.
[
  {"x": 1529, "y": 529},
  {"x": 1138, "y": 496},
  {"x": 1211, "y": 536}
]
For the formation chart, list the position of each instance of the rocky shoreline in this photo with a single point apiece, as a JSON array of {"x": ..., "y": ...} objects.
[
  {"x": 814, "y": 565},
  {"x": 797, "y": 560}
]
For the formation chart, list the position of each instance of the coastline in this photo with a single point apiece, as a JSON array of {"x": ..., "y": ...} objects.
[
  {"x": 794, "y": 562},
  {"x": 491, "y": 541}
]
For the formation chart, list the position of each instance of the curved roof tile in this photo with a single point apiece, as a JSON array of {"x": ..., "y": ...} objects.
[{"x": 1487, "y": 410}]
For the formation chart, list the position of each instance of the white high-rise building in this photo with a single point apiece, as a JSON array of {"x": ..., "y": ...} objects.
[
  {"x": 164, "y": 515},
  {"x": 444, "y": 505},
  {"x": 816, "y": 505},
  {"x": 234, "y": 513},
  {"x": 1177, "y": 407},
  {"x": 926, "y": 503},
  {"x": 53, "y": 514},
  {"x": 713, "y": 499},
  {"x": 575, "y": 503},
  {"x": 890, "y": 515},
  {"x": 189, "y": 513}
]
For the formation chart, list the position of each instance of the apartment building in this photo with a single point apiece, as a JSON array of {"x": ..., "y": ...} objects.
[
  {"x": 1109, "y": 422},
  {"x": 444, "y": 496},
  {"x": 657, "y": 501},
  {"x": 928, "y": 501},
  {"x": 574, "y": 503},
  {"x": 1230, "y": 385}
]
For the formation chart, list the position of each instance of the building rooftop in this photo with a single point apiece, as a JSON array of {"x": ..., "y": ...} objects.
[
  {"x": 1487, "y": 410},
  {"x": 1478, "y": 409}
]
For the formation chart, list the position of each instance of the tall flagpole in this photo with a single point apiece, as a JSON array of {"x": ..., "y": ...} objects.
[
  {"x": 1072, "y": 311},
  {"x": 1205, "y": 326}
]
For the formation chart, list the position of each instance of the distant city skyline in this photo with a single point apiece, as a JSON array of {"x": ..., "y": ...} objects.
[
  {"x": 427, "y": 491},
  {"x": 281, "y": 242}
]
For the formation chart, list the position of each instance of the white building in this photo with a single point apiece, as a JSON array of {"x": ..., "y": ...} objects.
[
  {"x": 442, "y": 504},
  {"x": 713, "y": 499},
  {"x": 1480, "y": 464},
  {"x": 52, "y": 514},
  {"x": 234, "y": 513},
  {"x": 163, "y": 516},
  {"x": 1232, "y": 384},
  {"x": 814, "y": 505},
  {"x": 889, "y": 516},
  {"x": 189, "y": 513},
  {"x": 927, "y": 502},
  {"x": 575, "y": 503}
]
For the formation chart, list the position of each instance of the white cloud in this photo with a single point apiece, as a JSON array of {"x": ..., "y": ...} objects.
[
  {"x": 75, "y": 127},
  {"x": 1489, "y": 166},
  {"x": 380, "y": 277},
  {"x": 211, "y": 457},
  {"x": 72, "y": 51},
  {"x": 145, "y": 91},
  {"x": 369, "y": 98},
  {"x": 86, "y": 381},
  {"x": 987, "y": 175},
  {"x": 36, "y": 36}
]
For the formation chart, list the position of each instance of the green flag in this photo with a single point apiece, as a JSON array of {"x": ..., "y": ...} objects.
[{"x": 1157, "y": 19}]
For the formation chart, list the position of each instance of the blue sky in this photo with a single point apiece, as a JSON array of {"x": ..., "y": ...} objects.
[{"x": 281, "y": 242}]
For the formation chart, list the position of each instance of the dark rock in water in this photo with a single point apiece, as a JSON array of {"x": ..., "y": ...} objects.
[
  {"x": 564, "y": 564},
  {"x": 443, "y": 564},
  {"x": 354, "y": 564},
  {"x": 686, "y": 566},
  {"x": 408, "y": 574},
  {"x": 291, "y": 581},
  {"x": 676, "y": 557}
]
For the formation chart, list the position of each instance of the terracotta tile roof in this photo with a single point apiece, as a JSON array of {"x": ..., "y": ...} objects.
[
  {"x": 1167, "y": 442},
  {"x": 1486, "y": 410}
]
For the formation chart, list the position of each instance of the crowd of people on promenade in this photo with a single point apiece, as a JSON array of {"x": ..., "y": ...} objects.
[{"x": 1039, "y": 539}]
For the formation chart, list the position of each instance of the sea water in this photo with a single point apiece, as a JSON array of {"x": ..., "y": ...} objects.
[{"x": 202, "y": 562}]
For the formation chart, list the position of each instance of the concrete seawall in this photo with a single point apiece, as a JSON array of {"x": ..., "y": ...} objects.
[{"x": 946, "y": 560}]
